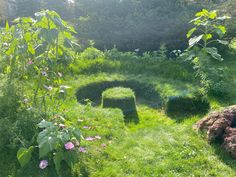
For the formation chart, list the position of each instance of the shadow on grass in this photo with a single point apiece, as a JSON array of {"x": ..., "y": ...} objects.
[
  {"x": 131, "y": 118},
  {"x": 179, "y": 118},
  {"x": 224, "y": 156}
]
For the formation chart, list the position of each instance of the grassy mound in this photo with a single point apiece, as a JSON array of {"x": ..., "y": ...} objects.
[
  {"x": 122, "y": 98},
  {"x": 186, "y": 104}
]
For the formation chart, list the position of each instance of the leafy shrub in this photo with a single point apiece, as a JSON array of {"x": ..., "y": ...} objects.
[
  {"x": 91, "y": 53},
  {"x": 34, "y": 53},
  {"x": 84, "y": 66},
  {"x": 209, "y": 29},
  {"x": 56, "y": 143}
]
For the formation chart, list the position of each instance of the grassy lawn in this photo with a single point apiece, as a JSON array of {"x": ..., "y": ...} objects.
[{"x": 156, "y": 146}]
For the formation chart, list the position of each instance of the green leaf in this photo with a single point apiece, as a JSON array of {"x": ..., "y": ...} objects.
[
  {"x": 70, "y": 157},
  {"x": 27, "y": 20},
  {"x": 64, "y": 137},
  {"x": 190, "y": 57},
  {"x": 31, "y": 49},
  {"x": 7, "y": 26},
  {"x": 222, "y": 28},
  {"x": 214, "y": 53},
  {"x": 212, "y": 15},
  {"x": 58, "y": 157},
  {"x": 190, "y": 32},
  {"x": 27, "y": 36},
  {"x": 45, "y": 124},
  {"x": 204, "y": 12},
  {"x": 223, "y": 42},
  {"x": 207, "y": 36},
  {"x": 24, "y": 155},
  {"x": 195, "y": 19},
  {"x": 47, "y": 145},
  {"x": 68, "y": 43},
  {"x": 77, "y": 134},
  {"x": 194, "y": 40}
]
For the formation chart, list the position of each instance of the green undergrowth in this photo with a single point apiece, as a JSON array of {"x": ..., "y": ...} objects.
[
  {"x": 112, "y": 61},
  {"x": 107, "y": 124}
]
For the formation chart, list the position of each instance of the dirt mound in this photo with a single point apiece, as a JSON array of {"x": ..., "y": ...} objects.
[{"x": 220, "y": 127}]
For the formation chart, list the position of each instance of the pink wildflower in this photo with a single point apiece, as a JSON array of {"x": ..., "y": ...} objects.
[
  {"x": 44, "y": 73},
  {"x": 30, "y": 62},
  {"x": 43, "y": 164},
  {"x": 69, "y": 146},
  {"x": 86, "y": 127},
  {"x": 82, "y": 149}
]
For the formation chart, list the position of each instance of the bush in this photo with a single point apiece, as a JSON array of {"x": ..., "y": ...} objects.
[
  {"x": 186, "y": 104},
  {"x": 85, "y": 66},
  {"x": 17, "y": 123},
  {"x": 91, "y": 53}
]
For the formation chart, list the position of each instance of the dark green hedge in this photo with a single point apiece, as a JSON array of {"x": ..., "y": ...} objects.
[{"x": 186, "y": 104}]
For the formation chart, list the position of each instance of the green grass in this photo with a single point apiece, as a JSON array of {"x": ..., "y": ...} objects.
[
  {"x": 118, "y": 93},
  {"x": 157, "y": 146}
]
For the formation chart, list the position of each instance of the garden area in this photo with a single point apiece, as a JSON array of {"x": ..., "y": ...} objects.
[{"x": 111, "y": 88}]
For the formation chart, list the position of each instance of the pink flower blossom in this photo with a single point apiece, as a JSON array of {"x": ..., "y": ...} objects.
[
  {"x": 43, "y": 164},
  {"x": 44, "y": 73},
  {"x": 30, "y": 62},
  {"x": 69, "y": 146},
  {"x": 82, "y": 149}
]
